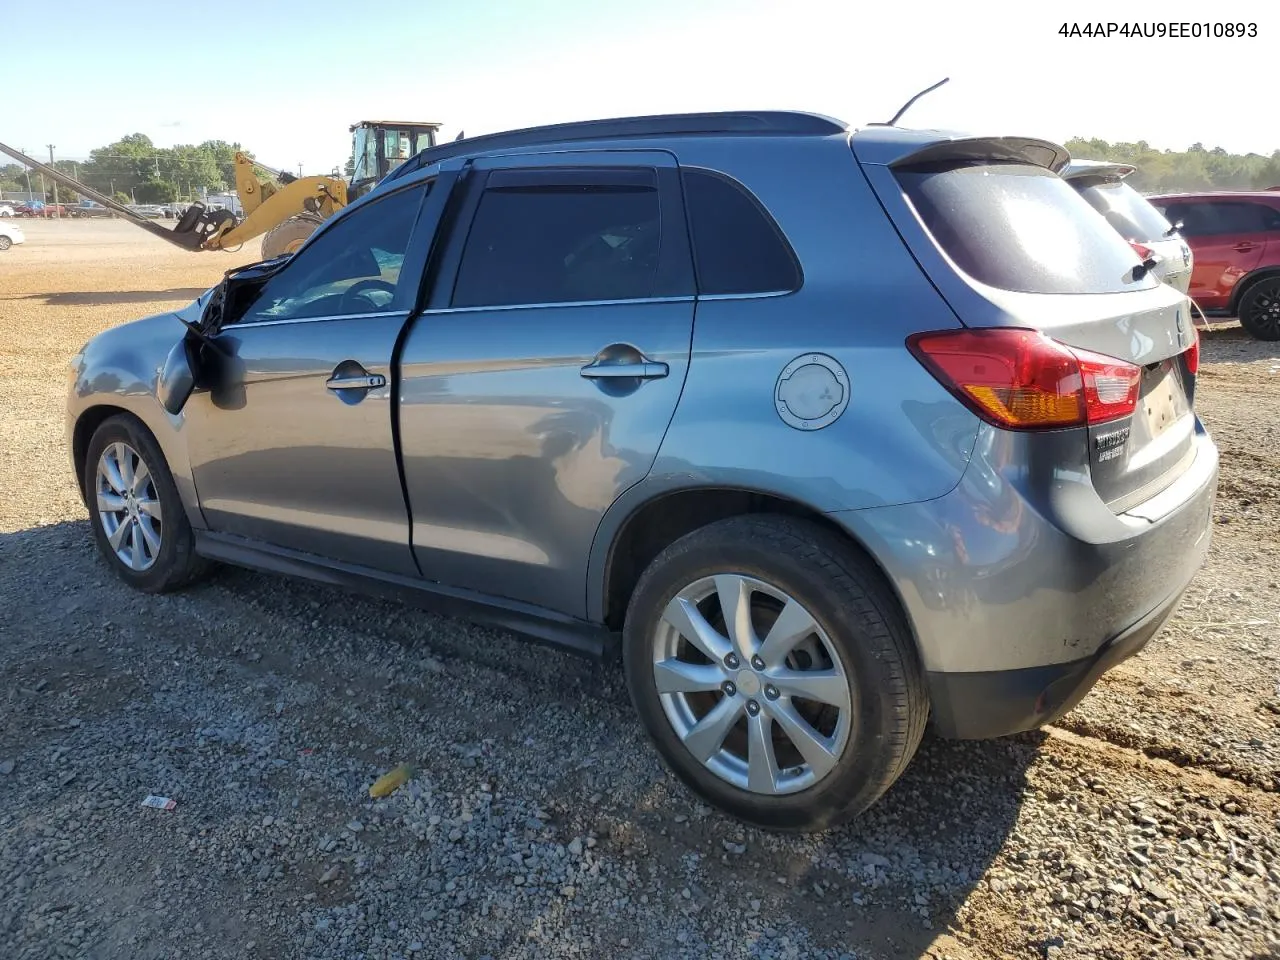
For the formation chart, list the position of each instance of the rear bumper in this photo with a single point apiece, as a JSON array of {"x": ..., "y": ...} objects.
[
  {"x": 1022, "y": 587},
  {"x": 979, "y": 706}
]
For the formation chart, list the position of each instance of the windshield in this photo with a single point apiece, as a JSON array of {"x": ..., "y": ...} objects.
[
  {"x": 1021, "y": 228},
  {"x": 1126, "y": 210},
  {"x": 364, "y": 149}
]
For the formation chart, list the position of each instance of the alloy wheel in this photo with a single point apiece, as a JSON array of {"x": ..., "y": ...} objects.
[
  {"x": 1264, "y": 310},
  {"x": 752, "y": 685},
  {"x": 129, "y": 506}
]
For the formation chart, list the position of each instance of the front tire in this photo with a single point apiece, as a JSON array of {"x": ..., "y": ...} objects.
[
  {"x": 775, "y": 672},
  {"x": 138, "y": 520},
  {"x": 1259, "y": 309}
]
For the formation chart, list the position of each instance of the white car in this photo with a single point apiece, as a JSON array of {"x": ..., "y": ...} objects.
[
  {"x": 6, "y": 210},
  {"x": 1152, "y": 237},
  {"x": 10, "y": 233}
]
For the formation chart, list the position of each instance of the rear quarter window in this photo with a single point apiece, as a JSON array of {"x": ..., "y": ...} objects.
[
  {"x": 1021, "y": 228},
  {"x": 738, "y": 248}
]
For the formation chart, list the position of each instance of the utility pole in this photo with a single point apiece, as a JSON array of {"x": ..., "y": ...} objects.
[
  {"x": 27, "y": 171},
  {"x": 299, "y": 169},
  {"x": 57, "y": 212}
]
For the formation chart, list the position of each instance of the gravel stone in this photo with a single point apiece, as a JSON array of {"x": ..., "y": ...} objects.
[{"x": 539, "y": 822}]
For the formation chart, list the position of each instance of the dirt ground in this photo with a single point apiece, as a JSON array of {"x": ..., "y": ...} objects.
[{"x": 1145, "y": 824}]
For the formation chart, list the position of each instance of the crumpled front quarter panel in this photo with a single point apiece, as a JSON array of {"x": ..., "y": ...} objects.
[{"x": 119, "y": 368}]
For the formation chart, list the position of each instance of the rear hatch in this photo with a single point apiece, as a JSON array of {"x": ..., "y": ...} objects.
[{"x": 1012, "y": 246}]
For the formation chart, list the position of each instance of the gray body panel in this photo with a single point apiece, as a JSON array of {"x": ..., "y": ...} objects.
[
  {"x": 277, "y": 456},
  {"x": 117, "y": 370},
  {"x": 511, "y": 456},
  {"x": 1014, "y": 570},
  {"x": 488, "y": 469}
]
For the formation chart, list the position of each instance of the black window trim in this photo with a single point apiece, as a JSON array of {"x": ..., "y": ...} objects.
[
  {"x": 768, "y": 217},
  {"x": 460, "y": 220}
]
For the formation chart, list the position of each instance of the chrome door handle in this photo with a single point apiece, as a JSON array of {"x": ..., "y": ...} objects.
[
  {"x": 648, "y": 370},
  {"x": 368, "y": 382}
]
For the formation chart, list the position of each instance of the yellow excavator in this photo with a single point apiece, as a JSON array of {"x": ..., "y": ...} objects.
[{"x": 284, "y": 210}]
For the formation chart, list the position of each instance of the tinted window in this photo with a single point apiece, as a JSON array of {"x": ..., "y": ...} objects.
[
  {"x": 560, "y": 242},
  {"x": 1020, "y": 227},
  {"x": 352, "y": 267},
  {"x": 1133, "y": 217},
  {"x": 737, "y": 247},
  {"x": 1221, "y": 218}
]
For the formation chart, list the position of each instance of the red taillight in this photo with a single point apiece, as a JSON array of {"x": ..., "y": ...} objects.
[
  {"x": 1023, "y": 380},
  {"x": 1193, "y": 353},
  {"x": 1144, "y": 253}
]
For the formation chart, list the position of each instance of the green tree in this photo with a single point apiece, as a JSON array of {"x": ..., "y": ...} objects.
[
  {"x": 1171, "y": 171},
  {"x": 156, "y": 191}
]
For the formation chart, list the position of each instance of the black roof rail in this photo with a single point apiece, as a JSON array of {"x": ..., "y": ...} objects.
[{"x": 763, "y": 122}]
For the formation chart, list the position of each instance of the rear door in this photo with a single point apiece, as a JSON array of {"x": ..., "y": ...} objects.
[
  {"x": 1010, "y": 244},
  {"x": 539, "y": 382}
]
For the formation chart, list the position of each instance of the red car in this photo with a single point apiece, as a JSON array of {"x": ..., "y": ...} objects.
[{"x": 1235, "y": 245}]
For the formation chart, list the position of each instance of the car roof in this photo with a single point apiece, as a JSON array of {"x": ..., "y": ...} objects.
[
  {"x": 1077, "y": 169},
  {"x": 739, "y": 123},
  {"x": 875, "y": 143}
]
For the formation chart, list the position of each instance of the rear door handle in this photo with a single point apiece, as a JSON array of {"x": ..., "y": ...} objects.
[
  {"x": 646, "y": 370},
  {"x": 1246, "y": 246},
  {"x": 367, "y": 382}
]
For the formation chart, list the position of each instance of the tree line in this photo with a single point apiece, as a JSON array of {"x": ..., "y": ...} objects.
[
  {"x": 135, "y": 170},
  {"x": 1183, "y": 171}
]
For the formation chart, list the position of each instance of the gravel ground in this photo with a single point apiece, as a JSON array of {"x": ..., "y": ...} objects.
[{"x": 540, "y": 823}]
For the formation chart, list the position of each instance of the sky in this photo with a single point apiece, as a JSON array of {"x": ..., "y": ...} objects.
[{"x": 286, "y": 80}]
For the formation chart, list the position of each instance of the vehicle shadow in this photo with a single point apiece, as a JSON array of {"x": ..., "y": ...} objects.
[
  {"x": 97, "y": 298},
  {"x": 889, "y": 885}
]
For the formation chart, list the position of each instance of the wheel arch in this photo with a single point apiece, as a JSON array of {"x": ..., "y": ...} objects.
[
  {"x": 1270, "y": 272},
  {"x": 87, "y": 422},
  {"x": 643, "y": 523}
]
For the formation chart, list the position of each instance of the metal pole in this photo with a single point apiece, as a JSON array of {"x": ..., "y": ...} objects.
[
  {"x": 56, "y": 211},
  {"x": 27, "y": 171},
  {"x": 299, "y": 169}
]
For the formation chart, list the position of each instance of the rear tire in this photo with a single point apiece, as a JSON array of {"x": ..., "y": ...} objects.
[
  {"x": 851, "y": 638},
  {"x": 1259, "y": 309},
  {"x": 287, "y": 237},
  {"x": 133, "y": 500},
  {"x": 5, "y": 243}
]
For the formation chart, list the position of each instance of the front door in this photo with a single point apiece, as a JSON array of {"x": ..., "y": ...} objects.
[
  {"x": 539, "y": 383},
  {"x": 294, "y": 446}
]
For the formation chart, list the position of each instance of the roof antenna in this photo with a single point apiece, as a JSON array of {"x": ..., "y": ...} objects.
[
  {"x": 460, "y": 135},
  {"x": 907, "y": 106}
]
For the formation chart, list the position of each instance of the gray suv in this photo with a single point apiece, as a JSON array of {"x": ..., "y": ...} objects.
[{"x": 825, "y": 432}]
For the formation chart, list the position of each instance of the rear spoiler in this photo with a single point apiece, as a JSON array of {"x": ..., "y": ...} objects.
[
  {"x": 1097, "y": 170},
  {"x": 895, "y": 147},
  {"x": 1037, "y": 153}
]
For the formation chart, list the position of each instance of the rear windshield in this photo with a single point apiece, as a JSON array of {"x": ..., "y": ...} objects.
[
  {"x": 1021, "y": 228},
  {"x": 1125, "y": 209}
]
